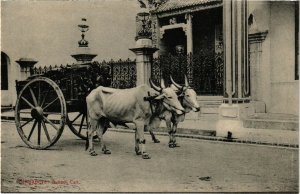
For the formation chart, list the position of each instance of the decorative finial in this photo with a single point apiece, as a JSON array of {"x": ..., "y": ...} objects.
[{"x": 83, "y": 27}]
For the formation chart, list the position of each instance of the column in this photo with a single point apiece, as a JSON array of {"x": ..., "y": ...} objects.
[
  {"x": 189, "y": 42},
  {"x": 189, "y": 33},
  {"x": 237, "y": 72},
  {"x": 236, "y": 101},
  {"x": 155, "y": 26},
  {"x": 144, "y": 55}
]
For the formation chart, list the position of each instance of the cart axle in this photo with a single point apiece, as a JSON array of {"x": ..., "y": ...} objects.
[{"x": 37, "y": 113}]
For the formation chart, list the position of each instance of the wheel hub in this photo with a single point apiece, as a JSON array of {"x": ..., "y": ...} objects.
[{"x": 37, "y": 113}]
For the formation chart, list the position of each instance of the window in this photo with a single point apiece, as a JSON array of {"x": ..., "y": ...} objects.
[{"x": 4, "y": 71}]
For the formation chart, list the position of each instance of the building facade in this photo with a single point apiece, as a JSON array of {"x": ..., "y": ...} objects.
[
  {"x": 241, "y": 57},
  {"x": 253, "y": 46}
]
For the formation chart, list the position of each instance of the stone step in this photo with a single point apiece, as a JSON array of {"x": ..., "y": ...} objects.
[
  {"x": 209, "y": 109},
  {"x": 272, "y": 121}
]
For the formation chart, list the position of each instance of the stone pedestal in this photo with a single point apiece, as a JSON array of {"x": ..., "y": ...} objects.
[
  {"x": 26, "y": 65},
  {"x": 231, "y": 119},
  {"x": 144, "y": 55}
]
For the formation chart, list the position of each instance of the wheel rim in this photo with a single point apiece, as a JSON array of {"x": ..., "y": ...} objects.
[
  {"x": 77, "y": 122},
  {"x": 40, "y": 113}
]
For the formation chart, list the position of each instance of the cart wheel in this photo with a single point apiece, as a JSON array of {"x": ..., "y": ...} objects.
[
  {"x": 77, "y": 122},
  {"x": 40, "y": 113}
]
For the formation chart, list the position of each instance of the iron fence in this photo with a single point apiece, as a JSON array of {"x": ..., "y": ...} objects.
[
  {"x": 205, "y": 72},
  {"x": 117, "y": 74}
]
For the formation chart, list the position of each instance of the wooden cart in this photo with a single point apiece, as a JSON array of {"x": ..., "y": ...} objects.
[{"x": 49, "y": 100}]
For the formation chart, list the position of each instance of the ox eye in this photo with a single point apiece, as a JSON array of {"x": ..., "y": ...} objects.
[{"x": 169, "y": 97}]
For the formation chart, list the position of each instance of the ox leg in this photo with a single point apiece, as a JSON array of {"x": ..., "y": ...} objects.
[
  {"x": 92, "y": 126},
  {"x": 154, "y": 124},
  {"x": 141, "y": 139},
  {"x": 173, "y": 134},
  {"x": 102, "y": 126},
  {"x": 137, "y": 146},
  {"x": 154, "y": 139},
  {"x": 170, "y": 131}
]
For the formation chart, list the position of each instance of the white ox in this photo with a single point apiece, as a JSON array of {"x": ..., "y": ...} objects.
[
  {"x": 121, "y": 106},
  {"x": 188, "y": 99}
]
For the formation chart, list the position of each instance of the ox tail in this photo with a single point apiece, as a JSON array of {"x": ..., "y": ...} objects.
[
  {"x": 87, "y": 141},
  {"x": 87, "y": 130}
]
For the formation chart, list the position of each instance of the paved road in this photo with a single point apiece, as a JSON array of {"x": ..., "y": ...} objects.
[{"x": 197, "y": 165}]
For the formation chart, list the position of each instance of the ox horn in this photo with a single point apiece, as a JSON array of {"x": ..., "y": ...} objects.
[
  {"x": 175, "y": 84},
  {"x": 158, "y": 89},
  {"x": 186, "y": 83},
  {"x": 162, "y": 83}
]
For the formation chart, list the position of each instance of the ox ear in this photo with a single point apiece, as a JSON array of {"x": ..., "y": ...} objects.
[{"x": 159, "y": 97}]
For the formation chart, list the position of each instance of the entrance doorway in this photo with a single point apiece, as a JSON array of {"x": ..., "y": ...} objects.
[{"x": 204, "y": 67}]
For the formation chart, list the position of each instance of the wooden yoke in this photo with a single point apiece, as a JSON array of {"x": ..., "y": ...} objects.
[{"x": 151, "y": 100}]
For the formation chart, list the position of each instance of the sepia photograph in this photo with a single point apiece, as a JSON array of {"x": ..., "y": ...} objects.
[{"x": 149, "y": 96}]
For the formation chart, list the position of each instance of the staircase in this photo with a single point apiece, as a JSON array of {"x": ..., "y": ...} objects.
[
  {"x": 207, "y": 117},
  {"x": 209, "y": 108},
  {"x": 272, "y": 121}
]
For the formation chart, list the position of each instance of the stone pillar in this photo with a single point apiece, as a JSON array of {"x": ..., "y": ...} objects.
[
  {"x": 236, "y": 101},
  {"x": 189, "y": 33},
  {"x": 144, "y": 55},
  {"x": 155, "y": 26},
  {"x": 26, "y": 65},
  {"x": 255, "y": 43}
]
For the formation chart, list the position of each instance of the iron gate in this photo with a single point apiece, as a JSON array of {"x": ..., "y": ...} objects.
[{"x": 205, "y": 72}]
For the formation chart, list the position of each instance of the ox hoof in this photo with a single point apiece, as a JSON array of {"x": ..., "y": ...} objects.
[
  {"x": 93, "y": 153},
  {"x": 176, "y": 145},
  {"x": 138, "y": 152},
  {"x": 172, "y": 145},
  {"x": 156, "y": 141},
  {"x": 146, "y": 156},
  {"x": 106, "y": 152}
]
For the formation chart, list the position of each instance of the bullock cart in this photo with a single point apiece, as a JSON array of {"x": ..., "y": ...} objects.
[{"x": 50, "y": 99}]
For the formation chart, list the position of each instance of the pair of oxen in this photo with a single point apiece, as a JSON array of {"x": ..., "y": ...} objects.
[{"x": 143, "y": 106}]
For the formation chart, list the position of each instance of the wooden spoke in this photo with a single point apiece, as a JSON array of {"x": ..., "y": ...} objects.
[
  {"x": 50, "y": 103},
  {"x": 29, "y": 104},
  {"x": 44, "y": 98},
  {"x": 39, "y": 94},
  {"x": 26, "y": 122},
  {"x": 33, "y": 96},
  {"x": 55, "y": 127},
  {"x": 39, "y": 133},
  {"x": 76, "y": 118},
  {"x": 81, "y": 124},
  {"x": 33, "y": 127},
  {"x": 46, "y": 131}
]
